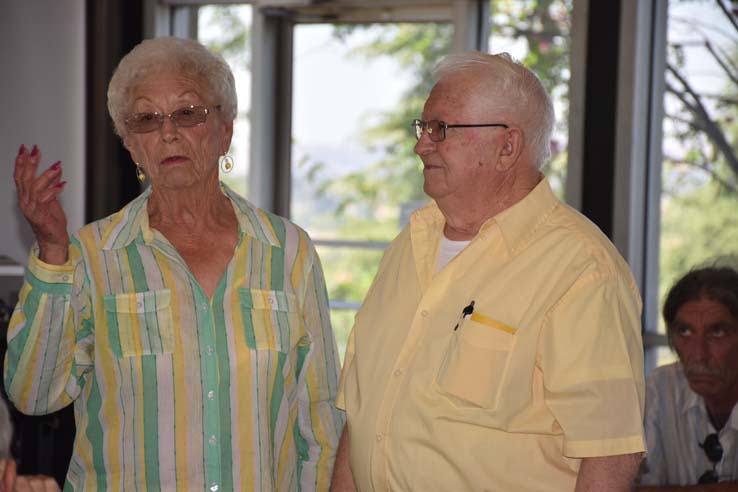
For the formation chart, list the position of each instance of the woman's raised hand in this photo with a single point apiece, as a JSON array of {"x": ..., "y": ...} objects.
[{"x": 39, "y": 203}]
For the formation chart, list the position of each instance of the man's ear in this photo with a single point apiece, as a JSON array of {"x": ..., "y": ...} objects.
[
  {"x": 7, "y": 475},
  {"x": 512, "y": 147}
]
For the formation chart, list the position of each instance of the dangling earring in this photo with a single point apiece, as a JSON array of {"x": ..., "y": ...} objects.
[
  {"x": 140, "y": 174},
  {"x": 226, "y": 163}
]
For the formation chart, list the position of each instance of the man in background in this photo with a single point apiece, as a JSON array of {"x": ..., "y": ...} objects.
[{"x": 691, "y": 417}]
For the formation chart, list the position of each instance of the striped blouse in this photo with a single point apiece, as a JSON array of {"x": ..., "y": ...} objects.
[{"x": 172, "y": 390}]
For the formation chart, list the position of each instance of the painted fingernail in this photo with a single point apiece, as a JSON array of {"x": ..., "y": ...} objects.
[
  {"x": 22, "y": 149},
  {"x": 60, "y": 185},
  {"x": 34, "y": 151},
  {"x": 55, "y": 166}
]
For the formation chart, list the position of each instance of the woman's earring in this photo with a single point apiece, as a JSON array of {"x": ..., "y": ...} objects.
[
  {"x": 226, "y": 163},
  {"x": 140, "y": 174}
]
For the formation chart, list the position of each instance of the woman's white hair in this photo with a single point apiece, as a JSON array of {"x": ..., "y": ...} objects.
[
  {"x": 6, "y": 431},
  {"x": 513, "y": 91},
  {"x": 185, "y": 56}
]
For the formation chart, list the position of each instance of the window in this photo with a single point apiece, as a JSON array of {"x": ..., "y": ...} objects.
[
  {"x": 226, "y": 30},
  {"x": 699, "y": 196},
  {"x": 538, "y": 34},
  {"x": 355, "y": 178}
]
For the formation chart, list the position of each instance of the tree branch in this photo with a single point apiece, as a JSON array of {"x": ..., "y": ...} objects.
[
  {"x": 713, "y": 131},
  {"x": 708, "y": 169},
  {"x": 720, "y": 61}
]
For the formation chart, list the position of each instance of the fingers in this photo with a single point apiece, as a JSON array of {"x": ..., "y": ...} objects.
[
  {"x": 32, "y": 190},
  {"x": 26, "y": 164},
  {"x": 51, "y": 192},
  {"x": 47, "y": 179}
]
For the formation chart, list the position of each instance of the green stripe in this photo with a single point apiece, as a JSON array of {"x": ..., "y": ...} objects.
[
  {"x": 17, "y": 345},
  {"x": 247, "y": 302},
  {"x": 151, "y": 422},
  {"x": 113, "y": 331},
  {"x": 94, "y": 433},
  {"x": 226, "y": 444},
  {"x": 301, "y": 444},
  {"x": 149, "y": 377},
  {"x": 58, "y": 289}
]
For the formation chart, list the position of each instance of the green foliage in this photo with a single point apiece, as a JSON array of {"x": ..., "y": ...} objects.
[
  {"x": 697, "y": 227},
  {"x": 232, "y": 34}
]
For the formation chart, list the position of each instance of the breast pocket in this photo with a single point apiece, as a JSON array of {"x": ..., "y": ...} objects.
[
  {"x": 140, "y": 323},
  {"x": 474, "y": 365},
  {"x": 271, "y": 319}
]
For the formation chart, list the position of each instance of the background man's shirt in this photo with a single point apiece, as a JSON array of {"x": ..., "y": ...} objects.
[{"x": 676, "y": 424}]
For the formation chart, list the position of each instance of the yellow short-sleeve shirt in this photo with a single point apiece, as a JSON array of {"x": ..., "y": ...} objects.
[{"x": 546, "y": 370}]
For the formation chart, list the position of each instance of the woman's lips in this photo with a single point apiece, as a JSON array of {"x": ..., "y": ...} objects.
[{"x": 175, "y": 159}]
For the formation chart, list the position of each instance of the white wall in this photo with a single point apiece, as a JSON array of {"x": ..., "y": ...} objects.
[{"x": 42, "y": 98}]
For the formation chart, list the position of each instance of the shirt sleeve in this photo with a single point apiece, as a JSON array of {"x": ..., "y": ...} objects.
[
  {"x": 319, "y": 422},
  {"x": 592, "y": 363},
  {"x": 50, "y": 336},
  {"x": 346, "y": 372}
]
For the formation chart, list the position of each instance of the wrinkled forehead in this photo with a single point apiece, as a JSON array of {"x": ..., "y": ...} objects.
[
  {"x": 169, "y": 87},
  {"x": 459, "y": 97}
]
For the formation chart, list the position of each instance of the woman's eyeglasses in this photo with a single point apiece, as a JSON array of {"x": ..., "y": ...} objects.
[
  {"x": 714, "y": 452},
  {"x": 436, "y": 129},
  {"x": 186, "y": 117}
]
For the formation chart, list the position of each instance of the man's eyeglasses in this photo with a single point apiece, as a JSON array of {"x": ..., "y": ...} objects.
[
  {"x": 186, "y": 117},
  {"x": 436, "y": 129},
  {"x": 714, "y": 452}
]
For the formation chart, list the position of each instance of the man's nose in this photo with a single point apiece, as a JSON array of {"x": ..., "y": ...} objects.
[
  {"x": 699, "y": 350},
  {"x": 424, "y": 145}
]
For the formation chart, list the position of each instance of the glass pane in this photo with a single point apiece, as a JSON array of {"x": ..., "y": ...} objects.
[
  {"x": 537, "y": 32},
  {"x": 699, "y": 201},
  {"x": 226, "y": 30},
  {"x": 354, "y": 174}
]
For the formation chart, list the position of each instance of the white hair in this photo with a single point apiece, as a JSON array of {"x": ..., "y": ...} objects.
[
  {"x": 514, "y": 90},
  {"x": 6, "y": 431},
  {"x": 185, "y": 56}
]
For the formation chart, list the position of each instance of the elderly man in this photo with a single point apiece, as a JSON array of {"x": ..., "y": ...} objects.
[
  {"x": 691, "y": 411},
  {"x": 499, "y": 347}
]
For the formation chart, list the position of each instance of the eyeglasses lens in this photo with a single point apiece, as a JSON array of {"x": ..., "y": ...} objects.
[
  {"x": 434, "y": 128},
  {"x": 187, "y": 117},
  {"x": 183, "y": 117}
]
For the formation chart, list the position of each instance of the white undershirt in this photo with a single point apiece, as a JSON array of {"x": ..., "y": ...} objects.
[{"x": 448, "y": 251}]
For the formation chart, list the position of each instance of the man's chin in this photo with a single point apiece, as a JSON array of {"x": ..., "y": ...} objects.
[{"x": 704, "y": 385}]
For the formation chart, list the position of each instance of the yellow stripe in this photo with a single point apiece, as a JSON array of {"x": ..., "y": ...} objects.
[
  {"x": 299, "y": 263},
  {"x": 485, "y": 320}
]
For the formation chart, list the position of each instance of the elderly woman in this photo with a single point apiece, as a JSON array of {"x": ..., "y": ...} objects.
[{"x": 190, "y": 329}]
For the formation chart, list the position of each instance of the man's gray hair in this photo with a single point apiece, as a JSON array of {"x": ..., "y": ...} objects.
[
  {"x": 514, "y": 91},
  {"x": 179, "y": 55},
  {"x": 6, "y": 431}
]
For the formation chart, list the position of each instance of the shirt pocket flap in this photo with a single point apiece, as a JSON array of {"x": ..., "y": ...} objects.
[
  {"x": 271, "y": 319},
  {"x": 140, "y": 323}
]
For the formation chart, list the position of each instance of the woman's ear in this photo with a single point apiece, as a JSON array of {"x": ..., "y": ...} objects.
[{"x": 512, "y": 147}]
